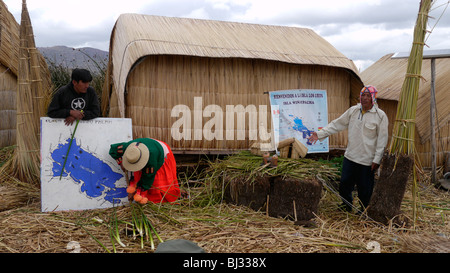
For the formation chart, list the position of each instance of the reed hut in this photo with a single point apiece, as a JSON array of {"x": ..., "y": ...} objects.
[
  {"x": 388, "y": 74},
  {"x": 164, "y": 71},
  {"x": 9, "y": 63}
]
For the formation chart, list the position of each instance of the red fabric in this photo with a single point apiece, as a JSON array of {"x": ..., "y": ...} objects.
[{"x": 165, "y": 188}]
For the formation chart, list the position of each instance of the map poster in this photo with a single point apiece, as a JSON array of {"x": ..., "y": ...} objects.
[
  {"x": 91, "y": 178},
  {"x": 298, "y": 113}
]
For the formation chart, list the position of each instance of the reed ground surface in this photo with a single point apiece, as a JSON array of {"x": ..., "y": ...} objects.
[{"x": 221, "y": 227}]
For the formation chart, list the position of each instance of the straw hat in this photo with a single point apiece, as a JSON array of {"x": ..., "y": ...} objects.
[{"x": 135, "y": 157}]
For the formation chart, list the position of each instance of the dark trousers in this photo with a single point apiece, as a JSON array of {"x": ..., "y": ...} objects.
[{"x": 359, "y": 175}]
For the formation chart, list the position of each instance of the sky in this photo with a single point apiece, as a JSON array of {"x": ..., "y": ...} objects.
[{"x": 364, "y": 31}]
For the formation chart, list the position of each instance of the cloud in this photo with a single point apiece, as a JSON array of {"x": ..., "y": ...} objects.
[
  {"x": 74, "y": 23},
  {"x": 222, "y": 10},
  {"x": 364, "y": 31}
]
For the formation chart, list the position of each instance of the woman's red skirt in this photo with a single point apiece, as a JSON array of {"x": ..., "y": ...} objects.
[{"x": 165, "y": 188}]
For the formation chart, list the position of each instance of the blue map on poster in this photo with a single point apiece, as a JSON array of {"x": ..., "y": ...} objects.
[
  {"x": 299, "y": 113},
  {"x": 300, "y": 127},
  {"x": 95, "y": 177}
]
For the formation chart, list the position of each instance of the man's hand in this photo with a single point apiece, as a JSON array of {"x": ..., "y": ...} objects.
[
  {"x": 77, "y": 114},
  {"x": 313, "y": 138},
  {"x": 69, "y": 120},
  {"x": 74, "y": 115},
  {"x": 375, "y": 166}
]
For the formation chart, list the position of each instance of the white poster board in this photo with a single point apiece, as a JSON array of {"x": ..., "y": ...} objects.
[
  {"x": 298, "y": 113},
  {"x": 91, "y": 179}
]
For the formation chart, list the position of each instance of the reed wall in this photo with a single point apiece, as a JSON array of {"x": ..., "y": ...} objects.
[
  {"x": 9, "y": 62},
  {"x": 159, "y": 83},
  {"x": 8, "y": 91}
]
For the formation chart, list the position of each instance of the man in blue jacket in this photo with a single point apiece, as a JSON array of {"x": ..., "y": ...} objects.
[{"x": 75, "y": 101}]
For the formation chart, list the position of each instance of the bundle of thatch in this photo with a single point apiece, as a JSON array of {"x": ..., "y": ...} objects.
[
  {"x": 390, "y": 188},
  {"x": 34, "y": 86},
  {"x": 291, "y": 189},
  {"x": 388, "y": 193},
  {"x": 292, "y": 148}
]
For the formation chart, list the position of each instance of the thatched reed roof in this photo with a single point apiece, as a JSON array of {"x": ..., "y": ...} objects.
[
  {"x": 9, "y": 37},
  {"x": 135, "y": 36},
  {"x": 388, "y": 75}
]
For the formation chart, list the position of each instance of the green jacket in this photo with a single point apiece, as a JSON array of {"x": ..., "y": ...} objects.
[{"x": 154, "y": 163}]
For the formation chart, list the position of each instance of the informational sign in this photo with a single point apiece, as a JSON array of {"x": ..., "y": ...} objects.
[
  {"x": 91, "y": 178},
  {"x": 298, "y": 113}
]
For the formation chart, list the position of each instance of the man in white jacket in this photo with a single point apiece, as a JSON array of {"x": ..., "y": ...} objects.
[{"x": 367, "y": 138}]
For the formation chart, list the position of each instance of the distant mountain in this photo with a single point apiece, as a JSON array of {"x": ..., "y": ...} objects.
[{"x": 67, "y": 57}]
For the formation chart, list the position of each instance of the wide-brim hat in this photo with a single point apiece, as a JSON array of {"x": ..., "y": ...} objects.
[{"x": 135, "y": 157}]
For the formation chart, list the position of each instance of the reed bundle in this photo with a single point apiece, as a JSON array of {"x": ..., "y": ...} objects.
[
  {"x": 249, "y": 167},
  {"x": 404, "y": 127},
  {"x": 403, "y": 139},
  {"x": 388, "y": 193},
  {"x": 33, "y": 87}
]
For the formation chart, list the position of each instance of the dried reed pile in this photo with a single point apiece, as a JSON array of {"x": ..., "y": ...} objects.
[
  {"x": 225, "y": 228},
  {"x": 216, "y": 226},
  {"x": 15, "y": 195},
  {"x": 248, "y": 168}
]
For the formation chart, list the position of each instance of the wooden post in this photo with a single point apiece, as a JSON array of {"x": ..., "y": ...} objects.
[{"x": 432, "y": 121}]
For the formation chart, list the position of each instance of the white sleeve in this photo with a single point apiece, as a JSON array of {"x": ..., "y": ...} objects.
[{"x": 337, "y": 125}]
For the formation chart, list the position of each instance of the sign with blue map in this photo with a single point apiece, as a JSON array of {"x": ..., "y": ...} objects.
[
  {"x": 298, "y": 113},
  {"x": 91, "y": 178}
]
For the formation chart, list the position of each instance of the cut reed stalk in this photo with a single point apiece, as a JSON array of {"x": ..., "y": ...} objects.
[{"x": 403, "y": 142}]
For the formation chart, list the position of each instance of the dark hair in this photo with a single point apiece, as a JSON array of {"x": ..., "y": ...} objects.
[{"x": 81, "y": 75}]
